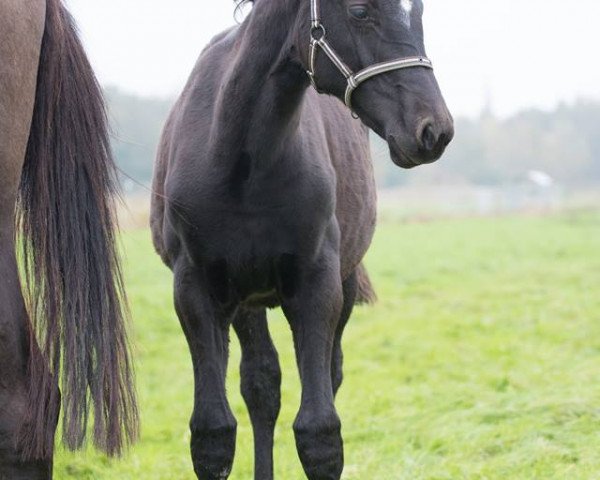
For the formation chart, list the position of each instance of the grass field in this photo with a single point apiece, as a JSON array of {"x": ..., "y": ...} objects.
[{"x": 480, "y": 361}]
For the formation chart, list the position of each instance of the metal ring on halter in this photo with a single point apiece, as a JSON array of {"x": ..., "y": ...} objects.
[
  {"x": 318, "y": 28},
  {"x": 354, "y": 80}
]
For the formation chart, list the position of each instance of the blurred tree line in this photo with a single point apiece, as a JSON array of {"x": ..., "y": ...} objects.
[
  {"x": 564, "y": 143},
  {"x": 136, "y": 124}
]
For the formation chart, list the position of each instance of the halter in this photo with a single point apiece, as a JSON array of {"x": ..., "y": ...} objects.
[{"x": 318, "y": 36}]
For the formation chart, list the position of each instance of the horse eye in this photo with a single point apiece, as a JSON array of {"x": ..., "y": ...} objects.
[{"x": 360, "y": 12}]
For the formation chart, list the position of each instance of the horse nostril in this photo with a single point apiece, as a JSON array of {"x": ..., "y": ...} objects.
[
  {"x": 444, "y": 140},
  {"x": 433, "y": 138},
  {"x": 428, "y": 138}
]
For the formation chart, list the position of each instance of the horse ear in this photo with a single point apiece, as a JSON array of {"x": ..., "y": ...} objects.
[{"x": 239, "y": 6}]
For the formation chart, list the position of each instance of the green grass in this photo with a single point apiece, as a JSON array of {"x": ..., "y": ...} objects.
[{"x": 480, "y": 361}]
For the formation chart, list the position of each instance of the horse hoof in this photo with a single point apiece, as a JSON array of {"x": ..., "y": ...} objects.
[
  {"x": 213, "y": 451},
  {"x": 320, "y": 448}
]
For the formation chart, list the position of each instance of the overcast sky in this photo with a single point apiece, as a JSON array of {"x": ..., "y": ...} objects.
[{"x": 519, "y": 53}]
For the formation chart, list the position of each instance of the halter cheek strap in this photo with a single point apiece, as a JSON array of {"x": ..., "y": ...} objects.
[{"x": 318, "y": 36}]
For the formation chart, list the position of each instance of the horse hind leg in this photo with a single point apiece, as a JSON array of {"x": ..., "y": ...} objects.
[
  {"x": 261, "y": 383},
  {"x": 15, "y": 350},
  {"x": 19, "y": 353},
  {"x": 350, "y": 290},
  {"x": 21, "y": 29}
]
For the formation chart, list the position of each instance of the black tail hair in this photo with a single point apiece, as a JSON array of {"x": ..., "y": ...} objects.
[
  {"x": 74, "y": 285},
  {"x": 366, "y": 293}
]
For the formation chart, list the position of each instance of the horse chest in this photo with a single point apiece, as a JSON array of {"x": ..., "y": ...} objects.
[
  {"x": 258, "y": 222},
  {"x": 250, "y": 227},
  {"x": 250, "y": 254}
]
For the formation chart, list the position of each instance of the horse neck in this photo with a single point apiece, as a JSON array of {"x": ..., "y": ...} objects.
[{"x": 259, "y": 107}]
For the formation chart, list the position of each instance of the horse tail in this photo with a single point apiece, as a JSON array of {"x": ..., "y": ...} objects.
[
  {"x": 366, "y": 292},
  {"x": 73, "y": 278}
]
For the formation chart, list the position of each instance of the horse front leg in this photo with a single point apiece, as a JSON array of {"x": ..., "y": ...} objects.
[
  {"x": 313, "y": 313},
  {"x": 212, "y": 425}
]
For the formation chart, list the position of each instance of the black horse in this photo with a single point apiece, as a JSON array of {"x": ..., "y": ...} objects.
[{"x": 264, "y": 197}]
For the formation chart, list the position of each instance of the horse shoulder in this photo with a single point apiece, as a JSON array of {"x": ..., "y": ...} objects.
[
  {"x": 189, "y": 117},
  {"x": 350, "y": 155}
]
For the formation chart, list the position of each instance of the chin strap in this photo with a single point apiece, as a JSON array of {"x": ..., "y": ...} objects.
[{"x": 318, "y": 36}]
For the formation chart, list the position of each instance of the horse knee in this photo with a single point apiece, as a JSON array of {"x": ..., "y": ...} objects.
[
  {"x": 213, "y": 444},
  {"x": 320, "y": 446}
]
